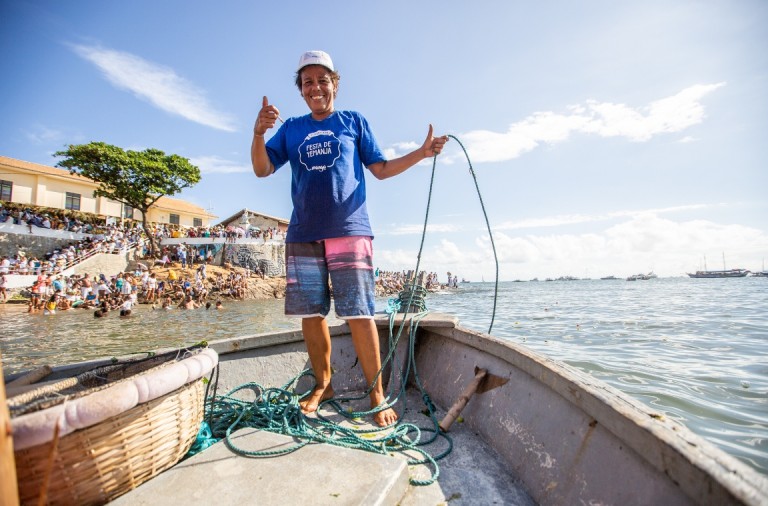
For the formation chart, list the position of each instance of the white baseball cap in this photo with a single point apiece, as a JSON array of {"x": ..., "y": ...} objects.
[{"x": 316, "y": 58}]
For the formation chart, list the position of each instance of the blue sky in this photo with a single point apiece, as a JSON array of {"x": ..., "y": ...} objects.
[{"x": 608, "y": 138}]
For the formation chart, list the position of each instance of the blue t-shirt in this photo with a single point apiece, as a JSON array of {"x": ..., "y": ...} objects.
[{"x": 328, "y": 186}]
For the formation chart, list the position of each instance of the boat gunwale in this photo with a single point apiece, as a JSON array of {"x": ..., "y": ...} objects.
[{"x": 630, "y": 421}]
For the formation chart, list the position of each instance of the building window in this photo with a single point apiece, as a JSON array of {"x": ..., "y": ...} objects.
[
  {"x": 72, "y": 201},
  {"x": 174, "y": 219},
  {"x": 197, "y": 222},
  {"x": 127, "y": 211},
  {"x": 6, "y": 190}
]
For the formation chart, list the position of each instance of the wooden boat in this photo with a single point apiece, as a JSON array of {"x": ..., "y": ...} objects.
[
  {"x": 724, "y": 273},
  {"x": 546, "y": 434},
  {"x": 730, "y": 273}
]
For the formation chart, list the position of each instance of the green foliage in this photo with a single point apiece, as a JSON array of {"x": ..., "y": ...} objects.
[{"x": 135, "y": 178}]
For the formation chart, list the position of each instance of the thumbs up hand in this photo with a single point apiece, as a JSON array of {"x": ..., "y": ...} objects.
[{"x": 266, "y": 118}]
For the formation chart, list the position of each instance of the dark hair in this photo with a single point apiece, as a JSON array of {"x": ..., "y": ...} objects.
[{"x": 335, "y": 76}]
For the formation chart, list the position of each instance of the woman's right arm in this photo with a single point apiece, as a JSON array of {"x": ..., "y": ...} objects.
[{"x": 262, "y": 166}]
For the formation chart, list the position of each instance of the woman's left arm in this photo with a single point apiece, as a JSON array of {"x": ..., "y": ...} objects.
[{"x": 432, "y": 146}]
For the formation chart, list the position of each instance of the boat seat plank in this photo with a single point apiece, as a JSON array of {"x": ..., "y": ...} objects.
[{"x": 315, "y": 474}]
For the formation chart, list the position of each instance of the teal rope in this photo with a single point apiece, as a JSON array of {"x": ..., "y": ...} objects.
[
  {"x": 278, "y": 410},
  {"x": 487, "y": 224}
]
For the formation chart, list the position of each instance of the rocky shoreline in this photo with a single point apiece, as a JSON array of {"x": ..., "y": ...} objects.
[{"x": 256, "y": 287}]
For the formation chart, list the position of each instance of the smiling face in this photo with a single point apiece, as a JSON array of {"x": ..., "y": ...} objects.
[{"x": 318, "y": 87}]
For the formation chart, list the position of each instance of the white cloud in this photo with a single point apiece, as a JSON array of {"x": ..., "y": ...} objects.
[
  {"x": 390, "y": 153},
  {"x": 641, "y": 242},
  {"x": 43, "y": 135},
  {"x": 667, "y": 115},
  {"x": 395, "y": 259},
  {"x": 572, "y": 219},
  {"x": 218, "y": 165},
  {"x": 158, "y": 85},
  {"x": 671, "y": 114},
  {"x": 543, "y": 222},
  {"x": 449, "y": 253},
  {"x": 405, "y": 147}
]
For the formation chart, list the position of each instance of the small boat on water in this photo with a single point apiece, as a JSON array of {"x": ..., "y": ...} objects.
[
  {"x": 535, "y": 431},
  {"x": 762, "y": 273},
  {"x": 643, "y": 277}
]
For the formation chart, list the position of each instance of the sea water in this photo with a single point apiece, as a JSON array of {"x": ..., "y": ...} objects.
[{"x": 695, "y": 350}]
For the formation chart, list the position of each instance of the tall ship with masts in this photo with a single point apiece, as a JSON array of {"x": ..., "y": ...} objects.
[{"x": 725, "y": 273}]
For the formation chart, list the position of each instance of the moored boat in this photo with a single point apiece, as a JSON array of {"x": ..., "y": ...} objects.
[
  {"x": 546, "y": 434},
  {"x": 730, "y": 273},
  {"x": 724, "y": 273},
  {"x": 643, "y": 277},
  {"x": 761, "y": 273}
]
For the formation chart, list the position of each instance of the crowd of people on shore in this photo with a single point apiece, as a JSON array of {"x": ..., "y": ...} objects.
[
  {"x": 110, "y": 239},
  {"x": 187, "y": 287},
  {"x": 51, "y": 293},
  {"x": 52, "y": 219},
  {"x": 230, "y": 233},
  {"x": 127, "y": 230},
  {"x": 391, "y": 282}
]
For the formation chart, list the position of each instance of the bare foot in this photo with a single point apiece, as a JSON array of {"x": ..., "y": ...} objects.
[
  {"x": 318, "y": 395},
  {"x": 385, "y": 417}
]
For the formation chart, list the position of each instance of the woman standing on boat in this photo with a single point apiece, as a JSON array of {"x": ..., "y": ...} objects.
[{"x": 329, "y": 231}]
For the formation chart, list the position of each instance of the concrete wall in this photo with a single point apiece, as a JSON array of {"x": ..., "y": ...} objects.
[
  {"x": 103, "y": 263},
  {"x": 269, "y": 258},
  {"x": 250, "y": 253},
  {"x": 37, "y": 244}
]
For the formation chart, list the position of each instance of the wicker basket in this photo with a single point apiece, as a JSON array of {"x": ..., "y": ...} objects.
[{"x": 99, "y": 463}]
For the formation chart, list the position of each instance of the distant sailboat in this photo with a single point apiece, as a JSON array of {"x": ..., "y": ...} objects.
[{"x": 763, "y": 273}]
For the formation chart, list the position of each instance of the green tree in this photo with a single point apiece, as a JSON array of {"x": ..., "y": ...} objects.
[{"x": 135, "y": 178}]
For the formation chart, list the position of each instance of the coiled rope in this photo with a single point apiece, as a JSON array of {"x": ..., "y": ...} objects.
[{"x": 278, "y": 409}]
